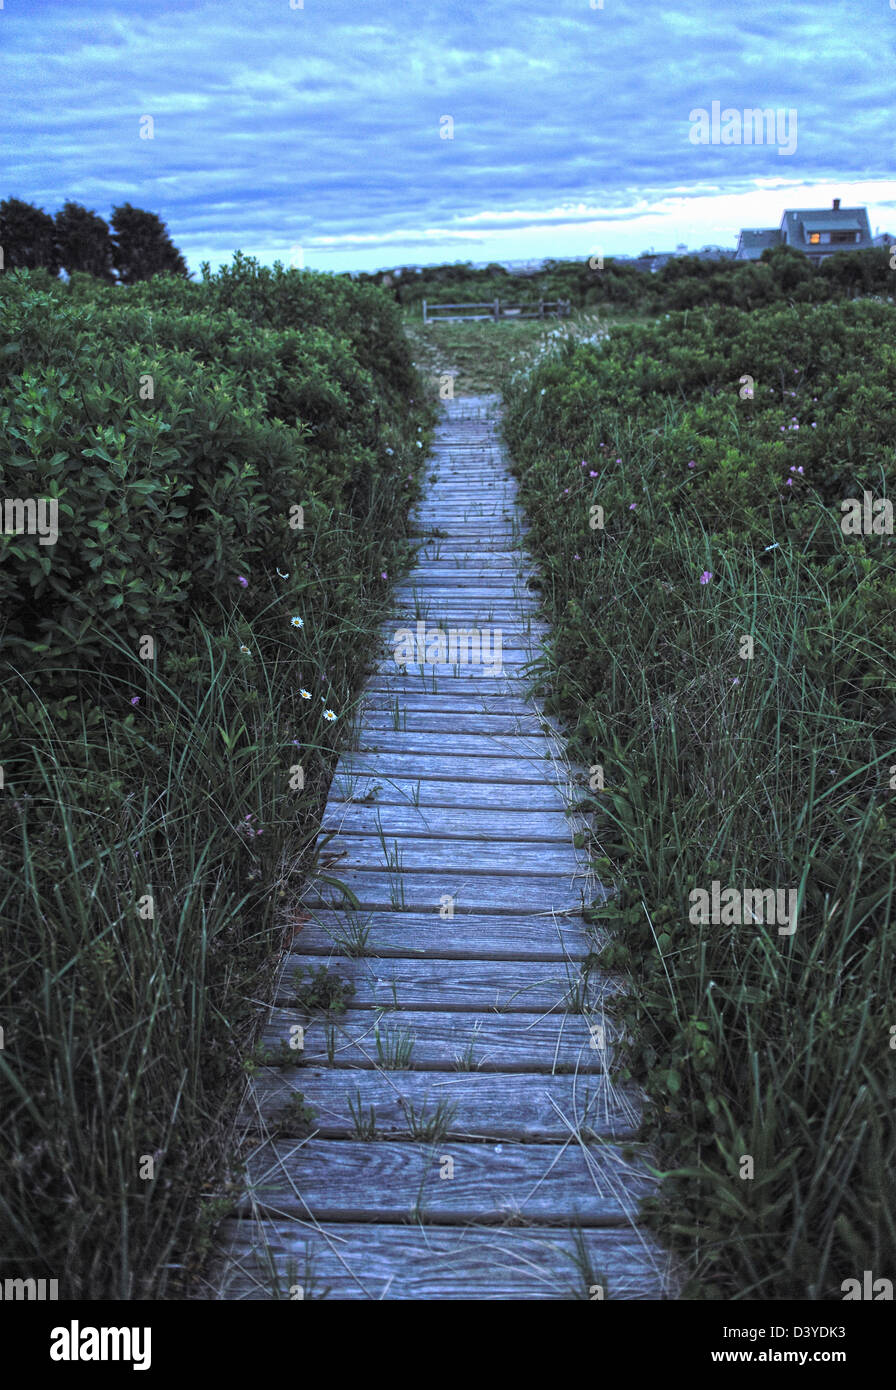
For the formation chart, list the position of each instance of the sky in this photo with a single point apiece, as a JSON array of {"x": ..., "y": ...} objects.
[{"x": 360, "y": 134}]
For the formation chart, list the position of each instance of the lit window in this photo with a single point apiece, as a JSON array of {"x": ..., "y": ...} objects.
[{"x": 814, "y": 238}]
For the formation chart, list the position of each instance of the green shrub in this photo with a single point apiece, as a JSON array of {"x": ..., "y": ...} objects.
[
  {"x": 154, "y": 829},
  {"x": 767, "y": 770}
]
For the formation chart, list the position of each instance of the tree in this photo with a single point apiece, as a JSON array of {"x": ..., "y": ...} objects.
[
  {"x": 142, "y": 247},
  {"x": 28, "y": 237},
  {"x": 83, "y": 242}
]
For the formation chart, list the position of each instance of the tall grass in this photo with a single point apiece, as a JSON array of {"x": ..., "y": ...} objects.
[
  {"x": 142, "y": 918},
  {"x": 767, "y": 1055},
  {"x": 159, "y": 803}
]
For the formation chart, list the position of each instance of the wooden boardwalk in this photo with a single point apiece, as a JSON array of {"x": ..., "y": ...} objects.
[{"x": 466, "y": 1142}]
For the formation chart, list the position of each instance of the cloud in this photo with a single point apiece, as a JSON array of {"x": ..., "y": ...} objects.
[{"x": 321, "y": 126}]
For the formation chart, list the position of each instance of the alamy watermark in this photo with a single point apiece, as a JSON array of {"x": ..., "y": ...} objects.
[
  {"x": 873, "y": 516},
  {"x": 456, "y": 646},
  {"x": 29, "y": 1290},
  {"x": 732, "y": 907},
  {"x": 35, "y": 516},
  {"x": 752, "y": 126}
]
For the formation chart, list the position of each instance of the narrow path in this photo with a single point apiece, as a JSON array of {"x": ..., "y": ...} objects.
[{"x": 466, "y": 1141}]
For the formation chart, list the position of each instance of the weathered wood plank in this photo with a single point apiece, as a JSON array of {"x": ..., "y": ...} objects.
[
  {"x": 472, "y": 890},
  {"x": 495, "y": 769},
  {"x": 533, "y": 749},
  {"x": 471, "y": 1105},
  {"x": 443, "y": 1041},
  {"x": 445, "y": 1183},
  {"x": 448, "y": 822},
  {"x": 474, "y": 985},
  {"x": 411, "y": 1262},
  {"x": 410, "y": 854},
  {"x": 423, "y": 719},
  {"x": 422, "y": 701},
  {"x": 373, "y": 790},
  {"x": 479, "y": 936}
]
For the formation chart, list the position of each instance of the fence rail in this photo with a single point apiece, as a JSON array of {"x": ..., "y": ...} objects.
[{"x": 537, "y": 309}]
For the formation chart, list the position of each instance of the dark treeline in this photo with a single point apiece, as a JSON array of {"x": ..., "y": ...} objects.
[
  {"x": 135, "y": 247},
  {"x": 684, "y": 282}
]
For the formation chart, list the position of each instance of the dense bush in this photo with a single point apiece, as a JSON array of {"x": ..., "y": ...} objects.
[
  {"x": 720, "y": 446},
  {"x": 168, "y": 666},
  {"x": 783, "y": 275}
]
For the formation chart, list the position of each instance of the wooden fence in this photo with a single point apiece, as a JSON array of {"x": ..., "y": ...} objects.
[{"x": 495, "y": 310}]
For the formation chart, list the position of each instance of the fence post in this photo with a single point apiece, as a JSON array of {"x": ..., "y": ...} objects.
[
  {"x": 497, "y": 310},
  {"x": 541, "y": 308},
  {"x": 424, "y": 311}
]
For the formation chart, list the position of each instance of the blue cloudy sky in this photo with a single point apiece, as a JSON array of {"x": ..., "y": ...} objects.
[{"x": 313, "y": 132}]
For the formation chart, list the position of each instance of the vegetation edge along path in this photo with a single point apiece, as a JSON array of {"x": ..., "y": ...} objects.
[{"x": 435, "y": 1119}]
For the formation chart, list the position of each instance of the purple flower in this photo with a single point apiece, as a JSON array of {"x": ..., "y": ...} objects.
[
  {"x": 692, "y": 464},
  {"x": 706, "y": 576},
  {"x": 135, "y": 699},
  {"x": 241, "y": 579}
]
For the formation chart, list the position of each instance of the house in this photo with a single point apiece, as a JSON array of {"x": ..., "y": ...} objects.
[
  {"x": 819, "y": 232},
  {"x": 753, "y": 241}
]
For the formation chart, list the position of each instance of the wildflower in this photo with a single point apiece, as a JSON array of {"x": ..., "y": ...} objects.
[
  {"x": 736, "y": 680},
  {"x": 800, "y": 469},
  {"x": 329, "y": 715},
  {"x": 246, "y": 650},
  {"x": 542, "y": 391},
  {"x": 577, "y": 557},
  {"x": 135, "y": 699},
  {"x": 419, "y": 444},
  {"x": 788, "y": 482},
  {"x": 706, "y": 576},
  {"x": 384, "y": 575},
  {"x": 297, "y": 622},
  {"x": 692, "y": 464},
  {"x": 390, "y": 451},
  {"x": 619, "y": 460},
  {"x": 814, "y": 426},
  {"x": 631, "y": 506},
  {"x": 241, "y": 579},
  {"x": 305, "y": 694},
  {"x": 591, "y": 473}
]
